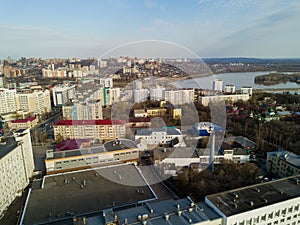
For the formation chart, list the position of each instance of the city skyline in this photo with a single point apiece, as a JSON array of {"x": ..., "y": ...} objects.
[{"x": 235, "y": 28}]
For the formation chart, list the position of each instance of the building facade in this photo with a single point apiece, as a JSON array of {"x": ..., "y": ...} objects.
[
  {"x": 217, "y": 85},
  {"x": 205, "y": 100},
  {"x": 34, "y": 101},
  {"x": 160, "y": 136},
  {"x": 8, "y": 102},
  {"x": 62, "y": 94},
  {"x": 16, "y": 167},
  {"x": 180, "y": 97},
  {"x": 116, "y": 151},
  {"x": 23, "y": 123},
  {"x": 89, "y": 129},
  {"x": 90, "y": 110},
  {"x": 283, "y": 163},
  {"x": 274, "y": 202}
]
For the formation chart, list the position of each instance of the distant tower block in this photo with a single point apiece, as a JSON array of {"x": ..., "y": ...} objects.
[
  {"x": 229, "y": 89},
  {"x": 217, "y": 85},
  {"x": 137, "y": 85}
]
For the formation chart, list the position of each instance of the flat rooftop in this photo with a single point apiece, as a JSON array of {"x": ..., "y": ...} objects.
[
  {"x": 115, "y": 145},
  {"x": 7, "y": 147},
  {"x": 82, "y": 192},
  {"x": 256, "y": 196},
  {"x": 156, "y": 213}
]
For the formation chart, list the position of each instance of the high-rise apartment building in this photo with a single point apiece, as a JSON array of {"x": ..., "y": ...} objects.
[
  {"x": 89, "y": 110},
  {"x": 180, "y": 97},
  {"x": 16, "y": 167},
  {"x": 35, "y": 101},
  {"x": 8, "y": 102},
  {"x": 217, "y": 85},
  {"x": 63, "y": 93}
]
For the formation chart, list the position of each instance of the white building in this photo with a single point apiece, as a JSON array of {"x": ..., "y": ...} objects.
[
  {"x": 8, "y": 102},
  {"x": 205, "y": 100},
  {"x": 159, "y": 136},
  {"x": 229, "y": 88},
  {"x": 87, "y": 110},
  {"x": 2, "y": 80},
  {"x": 157, "y": 94},
  {"x": 16, "y": 167},
  {"x": 186, "y": 156},
  {"x": 115, "y": 95},
  {"x": 217, "y": 85},
  {"x": 63, "y": 93},
  {"x": 274, "y": 202},
  {"x": 137, "y": 85},
  {"x": 37, "y": 102},
  {"x": 180, "y": 97},
  {"x": 246, "y": 90},
  {"x": 140, "y": 95},
  {"x": 106, "y": 82}
]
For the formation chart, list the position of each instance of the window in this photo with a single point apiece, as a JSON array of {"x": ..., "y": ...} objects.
[{"x": 263, "y": 218}]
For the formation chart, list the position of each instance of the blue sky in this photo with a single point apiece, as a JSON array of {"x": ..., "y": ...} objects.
[{"x": 210, "y": 28}]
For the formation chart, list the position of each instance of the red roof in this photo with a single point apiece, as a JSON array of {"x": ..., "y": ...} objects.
[
  {"x": 71, "y": 144},
  {"x": 146, "y": 119},
  {"x": 30, "y": 119},
  {"x": 88, "y": 122}
]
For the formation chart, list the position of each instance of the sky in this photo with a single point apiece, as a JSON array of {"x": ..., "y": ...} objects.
[{"x": 209, "y": 28}]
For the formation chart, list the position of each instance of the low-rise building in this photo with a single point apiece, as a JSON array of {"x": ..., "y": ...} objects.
[
  {"x": 139, "y": 122},
  {"x": 89, "y": 129},
  {"x": 116, "y": 151},
  {"x": 23, "y": 123},
  {"x": 160, "y": 136},
  {"x": 283, "y": 163}
]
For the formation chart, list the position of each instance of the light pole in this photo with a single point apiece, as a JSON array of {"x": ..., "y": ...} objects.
[{"x": 212, "y": 147}]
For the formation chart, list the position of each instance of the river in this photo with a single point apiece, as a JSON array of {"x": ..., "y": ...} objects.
[{"x": 237, "y": 79}]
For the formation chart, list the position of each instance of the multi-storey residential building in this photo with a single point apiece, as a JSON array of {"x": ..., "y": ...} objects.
[
  {"x": 54, "y": 73},
  {"x": 274, "y": 202},
  {"x": 180, "y": 97},
  {"x": 35, "y": 101},
  {"x": 115, "y": 151},
  {"x": 8, "y": 102},
  {"x": 89, "y": 129},
  {"x": 115, "y": 95},
  {"x": 217, "y": 85},
  {"x": 106, "y": 82},
  {"x": 90, "y": 110},
  {"x": 63, "y": 93},
  {"x": 157, "y": 94},
  {"x": 205, "y": 100},
  {"x": 140, "y": 95},
  {"x": 246, "y": 90},
  {"x": 283, "y": 163},
  {"x": 229, "y": 88},
  {"x": 2, "y": 80},
  {"x": 16, "y": 167}
]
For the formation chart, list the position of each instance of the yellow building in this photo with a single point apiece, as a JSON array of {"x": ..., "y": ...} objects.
[
  {"x": 23, "y": 123},
  {"x": 116, "y": 151},
  {"x": 89, "y": 129}
]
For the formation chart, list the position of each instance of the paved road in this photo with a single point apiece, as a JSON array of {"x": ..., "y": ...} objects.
[{"x": 162, "y": 191}]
